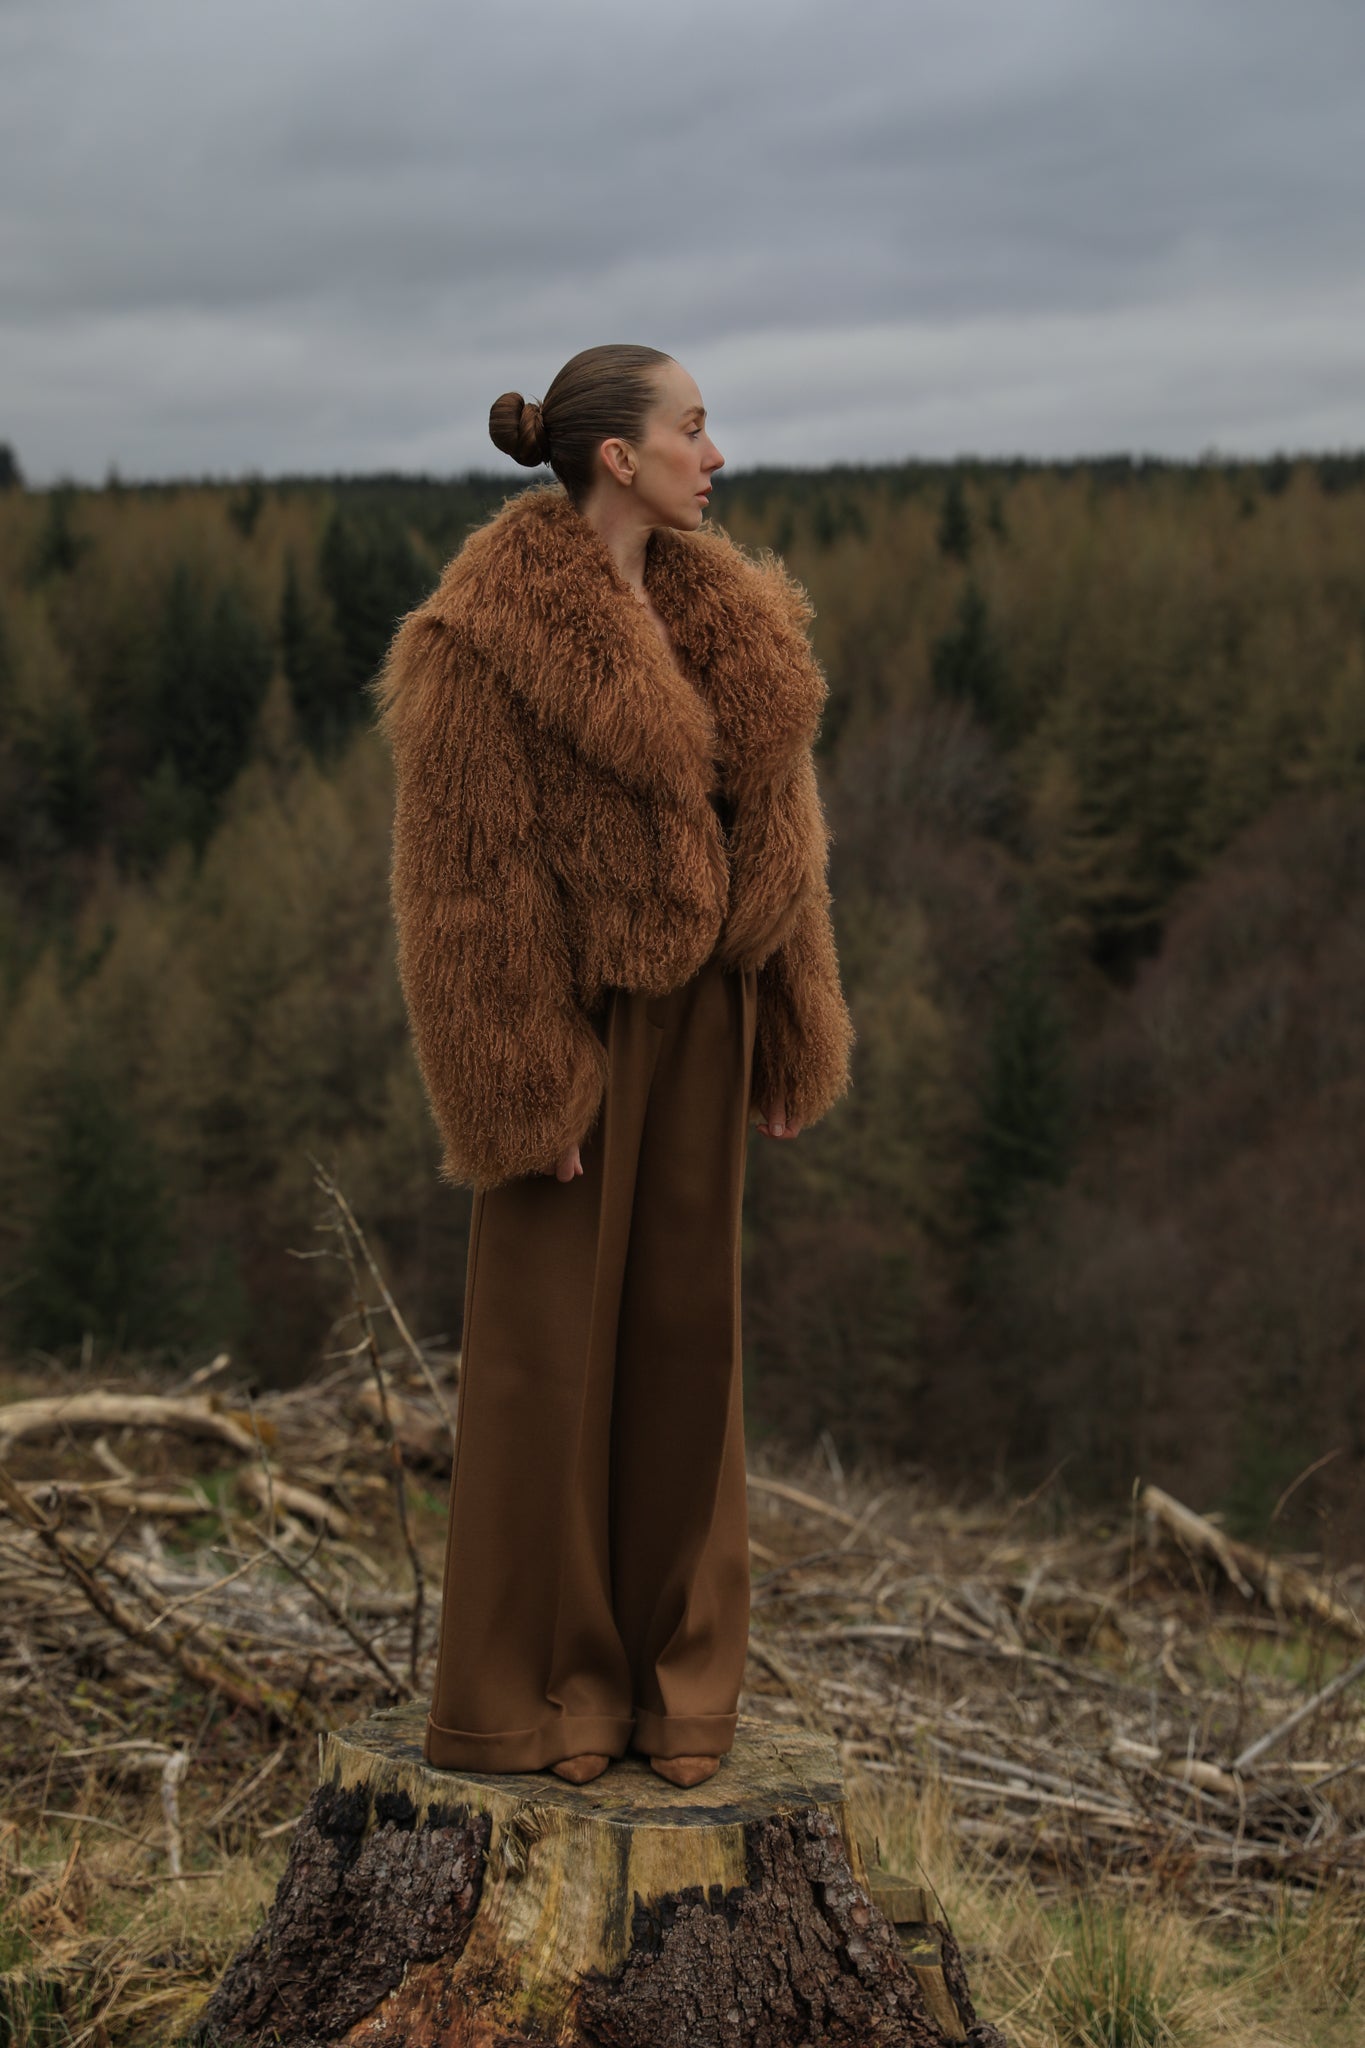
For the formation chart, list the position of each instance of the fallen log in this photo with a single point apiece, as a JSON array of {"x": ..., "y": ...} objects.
[
  {"x": 267, "y": 1489},
  {"x": 471, "y": 1908},
  {"x": 1282, "y": 1586},
  {"x": 112, "y": 1493},
  {"x": 191, "y": 1416}
]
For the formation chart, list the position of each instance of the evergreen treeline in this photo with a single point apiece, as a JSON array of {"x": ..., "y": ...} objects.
[{"x": 1094, "y": 759}]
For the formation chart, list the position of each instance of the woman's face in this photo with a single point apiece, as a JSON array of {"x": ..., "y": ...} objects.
[{"x": 677, "y": 458}]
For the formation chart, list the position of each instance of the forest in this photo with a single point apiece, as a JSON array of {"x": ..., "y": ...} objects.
[{"x": 1094, "y": 764}]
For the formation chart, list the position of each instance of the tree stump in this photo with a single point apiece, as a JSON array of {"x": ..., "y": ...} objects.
[{"x": 456, "y": 1909}]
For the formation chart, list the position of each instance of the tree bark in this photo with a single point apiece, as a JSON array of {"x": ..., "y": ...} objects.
[{"x": 448, "y": 1909}]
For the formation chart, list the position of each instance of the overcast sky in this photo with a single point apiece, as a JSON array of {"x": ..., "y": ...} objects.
[{"x": 325, "y": 234}]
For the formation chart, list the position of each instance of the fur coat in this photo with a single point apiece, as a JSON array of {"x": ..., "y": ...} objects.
[{"x": 554, "y": 833}]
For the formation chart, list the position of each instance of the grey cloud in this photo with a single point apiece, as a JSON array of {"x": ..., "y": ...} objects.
[{"x": 326, "y": 235}]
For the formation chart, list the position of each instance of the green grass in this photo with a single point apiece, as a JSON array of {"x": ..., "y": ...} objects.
[
  {"x": 1115, "y": 1984},
  {"x": 1303, "y": 1659}
]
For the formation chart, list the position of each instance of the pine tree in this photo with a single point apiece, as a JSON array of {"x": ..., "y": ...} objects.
[
  {"x": 955, "y": 521},
  {"x": 967, "y": 662},
  {"x": 1026, "y": 1107},
  {"x": 824, "y": 522},
  {"x": 246, "y": 510},
  {"x": 212, "y": 667},
  {"x": 103, "y": 1243},
  {"x": 59, "y": 547},
  {"x": 372, "y": 574},
  {"x": 314, "y": 666},
  {"x": 64, "y": 761}
]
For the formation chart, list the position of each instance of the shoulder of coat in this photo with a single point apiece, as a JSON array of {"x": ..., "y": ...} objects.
[
  {"x": 508, "y": 543},
  {"x": 535, "y": 545}
]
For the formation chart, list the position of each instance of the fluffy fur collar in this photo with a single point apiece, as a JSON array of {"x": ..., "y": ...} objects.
[{"x": 535, "y": 590}]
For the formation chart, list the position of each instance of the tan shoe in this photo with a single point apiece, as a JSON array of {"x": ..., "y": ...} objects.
[
  {"x": 579, "y": 1770},
  {"x": 685, "y": 1770}
]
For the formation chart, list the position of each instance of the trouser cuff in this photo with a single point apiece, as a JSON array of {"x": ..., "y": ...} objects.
[
  {"x": 683, "y": 1734},
  {"x": 527, "y": 1749}
]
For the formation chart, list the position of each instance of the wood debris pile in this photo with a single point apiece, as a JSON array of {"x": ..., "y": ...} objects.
[
  {"x": 1127, "y": 1704},
  {"x": 1158, "y": 1703},
  {"x": 281, "y": 1606}
]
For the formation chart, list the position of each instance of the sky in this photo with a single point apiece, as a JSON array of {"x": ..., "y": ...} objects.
[{"x": 320, "y": 235}]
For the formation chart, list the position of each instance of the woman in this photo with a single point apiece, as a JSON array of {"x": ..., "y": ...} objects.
[{"x": 609, "y": 885}]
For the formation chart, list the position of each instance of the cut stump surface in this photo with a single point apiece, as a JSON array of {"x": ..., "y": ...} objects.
[{"x": 427, "y": 1908}]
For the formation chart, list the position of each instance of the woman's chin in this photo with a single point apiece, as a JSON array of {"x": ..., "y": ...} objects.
[{"x": 689, "y": 521}]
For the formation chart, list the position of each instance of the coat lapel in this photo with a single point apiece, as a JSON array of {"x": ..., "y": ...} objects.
[
  {"x": 537, "y": 590},
  {"x": 739, "y": 626}
]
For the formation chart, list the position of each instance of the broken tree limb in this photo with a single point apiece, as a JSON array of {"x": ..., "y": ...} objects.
[
  {"x": 188, "y": 1416},
  {"x": 1257, "y": 1749},
  {"x": 216, "y": 1671},
  {"x": 796, "y": 1497},
  {"x": 112, "y": 1493},
  {"x": 332, "y": 1191},
  {"x": 298, "y": 1500},
  {"x": 1251, "y": 1571}
]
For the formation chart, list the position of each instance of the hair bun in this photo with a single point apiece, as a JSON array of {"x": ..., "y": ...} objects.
[{"x": 517, "y": 426}]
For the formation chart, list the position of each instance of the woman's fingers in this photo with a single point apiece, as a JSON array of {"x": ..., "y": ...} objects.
[
  {"x": 568, "y": 1164},
  {"x": 778, "y": 1125}
]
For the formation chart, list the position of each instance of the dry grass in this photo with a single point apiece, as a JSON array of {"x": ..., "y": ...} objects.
[
  {"x": 1037, "y": 1720},
  {"x": 1090, "y": 1967}
]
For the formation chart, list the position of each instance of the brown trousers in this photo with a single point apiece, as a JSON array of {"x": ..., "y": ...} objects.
[{"x": 597, "y": 1563}]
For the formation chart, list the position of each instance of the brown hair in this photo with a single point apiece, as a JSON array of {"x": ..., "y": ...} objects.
[{"x": 599, "y": 393}]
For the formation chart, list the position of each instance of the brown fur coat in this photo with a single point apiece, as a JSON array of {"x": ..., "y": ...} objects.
[{"x": 554, "y": 835}]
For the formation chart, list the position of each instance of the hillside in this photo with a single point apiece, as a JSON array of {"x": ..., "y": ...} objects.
[{"x": 1094, "y": 759}]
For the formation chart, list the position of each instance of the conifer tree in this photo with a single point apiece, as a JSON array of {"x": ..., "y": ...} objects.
[
  {"x": 1026, "y": 1105},
  {"x": 245, "y": 511},
  {"x": 212, "y": 667},
  {"x": 967, "y": 662},
  {"x": 314, "y": 665},
  {"x": 955, "y": 521},
  {"x": 59, "y": 547},
  {"x": 103, "y": 1242},
  {"x": 824, "y": 522},
  {"x": 64, "y": 761},
  {"x": 372, "y": 574}
]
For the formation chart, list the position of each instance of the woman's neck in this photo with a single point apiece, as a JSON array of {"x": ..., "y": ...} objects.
[{"x": 625, "y": 536}]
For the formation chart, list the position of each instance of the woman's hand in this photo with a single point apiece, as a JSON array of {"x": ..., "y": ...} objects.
[
  {"x": 568, "y": 1164},
  {"x": 777, "y": 1125}
]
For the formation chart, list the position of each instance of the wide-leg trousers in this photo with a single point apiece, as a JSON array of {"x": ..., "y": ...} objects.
[{"x": 596, "y": 1592}]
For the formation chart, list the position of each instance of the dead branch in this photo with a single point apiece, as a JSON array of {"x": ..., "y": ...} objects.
[
  {"x": 1283, "y": 1587},
  {"x": 298, "y": 1500},
  {"x": 1257, "y": 1749},
  {"x": 189, "y": 1417},
  {"x": 174, "y": 1646}
]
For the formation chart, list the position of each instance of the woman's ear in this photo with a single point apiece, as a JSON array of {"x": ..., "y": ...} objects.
[{"x": 618, "y": 458}]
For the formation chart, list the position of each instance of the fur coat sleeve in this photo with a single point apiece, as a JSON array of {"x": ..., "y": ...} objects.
[
  {"x": 804, "y": 1040},
  {"x": 513, "y": 1070}
]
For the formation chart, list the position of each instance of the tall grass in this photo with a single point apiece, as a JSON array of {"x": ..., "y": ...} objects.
[
  {"x": 1121, "y": 1981},
  {"x": 1085, "y": 1969}
]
